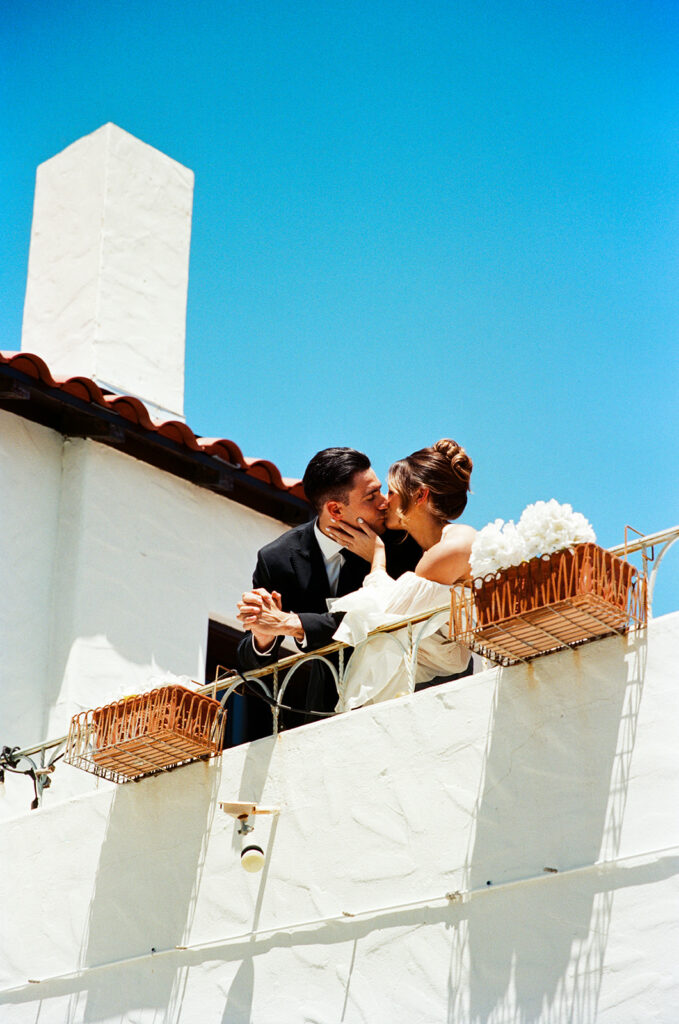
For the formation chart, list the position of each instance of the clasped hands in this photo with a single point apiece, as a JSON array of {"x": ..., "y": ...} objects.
[{"x": 261, "y": 612}]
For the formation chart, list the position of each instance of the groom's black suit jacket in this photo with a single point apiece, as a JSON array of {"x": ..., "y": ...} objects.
[{"x": 294, "y": 566}]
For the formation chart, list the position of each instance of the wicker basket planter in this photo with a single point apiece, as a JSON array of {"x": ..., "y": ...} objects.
[
  {"x": 556, "y": 601},
  {"x": 146, "y": 734}
]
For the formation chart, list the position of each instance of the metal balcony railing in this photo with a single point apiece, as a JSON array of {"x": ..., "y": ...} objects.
[{"x": 653, "y": 548}]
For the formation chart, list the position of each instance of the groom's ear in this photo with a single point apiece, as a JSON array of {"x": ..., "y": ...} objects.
[{"x": 334, "y": 509}]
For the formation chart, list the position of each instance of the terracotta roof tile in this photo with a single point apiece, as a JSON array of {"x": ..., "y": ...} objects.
[
  {"x": 32, "y": 366},
  {"x": 134, "y": 411},
  {"x": 81, "y": 387},
  {"x": 179, "y": 432},
  {"x": 265, "y": 470},
  {"x": 227, "y": 450}
]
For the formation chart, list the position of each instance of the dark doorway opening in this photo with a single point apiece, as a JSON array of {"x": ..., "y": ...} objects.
[{"x": 247, "y": 717}]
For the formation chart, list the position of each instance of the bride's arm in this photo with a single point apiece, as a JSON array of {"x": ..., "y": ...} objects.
[
  {"x": 379, "y": 559},
  {"x": 448, "y": 561}
]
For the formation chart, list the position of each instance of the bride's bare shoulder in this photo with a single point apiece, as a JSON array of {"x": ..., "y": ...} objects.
[
  {"x": 458, "y": 533},
  {"x": 448, "y": 561}
]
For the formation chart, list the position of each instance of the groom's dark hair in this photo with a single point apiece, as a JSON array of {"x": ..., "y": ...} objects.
[{"x": 329, "y": 474}]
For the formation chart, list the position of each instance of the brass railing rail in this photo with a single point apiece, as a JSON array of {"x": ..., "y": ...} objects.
[
  {"x": 647, "y": 540},
  {"x": 663, "y": 539}
]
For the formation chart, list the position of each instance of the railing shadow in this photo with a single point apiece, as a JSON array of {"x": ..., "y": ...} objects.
[
  {"x": 521, "y": 956},
  {"x": 164, "y": 821},
  {"x": 251, "y": 789},
  {"x": 146, "y": 988}
]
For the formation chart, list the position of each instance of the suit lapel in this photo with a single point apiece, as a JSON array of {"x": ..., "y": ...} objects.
[
  {"x": 308, "y": 564},
  {"x": 352, "y": 574}
]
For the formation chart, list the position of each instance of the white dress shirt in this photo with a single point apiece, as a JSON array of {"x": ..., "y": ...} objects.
[{"x": 332, "y": 556}]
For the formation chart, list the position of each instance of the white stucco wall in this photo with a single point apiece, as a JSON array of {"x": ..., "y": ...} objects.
[
  {"x": 30, "y": 484},
  {"x": 568, "y": 765},
  {"x": 112, "y": 570},
  {"x": 145, "y": 560}
]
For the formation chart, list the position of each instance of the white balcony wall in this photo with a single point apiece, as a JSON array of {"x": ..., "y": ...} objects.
[{"x": 542, "y": 799}]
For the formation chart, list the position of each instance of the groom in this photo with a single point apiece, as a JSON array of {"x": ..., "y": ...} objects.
[{"x": 296, "y": 573}]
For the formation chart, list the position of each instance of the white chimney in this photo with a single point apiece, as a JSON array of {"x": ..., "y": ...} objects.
[{"x": 108, "y": 267}]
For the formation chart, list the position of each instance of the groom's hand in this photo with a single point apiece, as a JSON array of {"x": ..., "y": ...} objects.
[{"x": 261, "y": 613}]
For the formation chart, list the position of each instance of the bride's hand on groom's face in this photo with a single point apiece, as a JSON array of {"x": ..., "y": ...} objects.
[{"x": 360, "y": 539}]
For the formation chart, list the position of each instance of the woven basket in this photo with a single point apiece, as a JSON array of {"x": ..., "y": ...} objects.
[
  {"x": 145, "y": 734},
  {"x": 551, "y": 602}
]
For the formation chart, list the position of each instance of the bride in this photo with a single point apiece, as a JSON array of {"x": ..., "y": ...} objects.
[{"x": 427, "y": 490}]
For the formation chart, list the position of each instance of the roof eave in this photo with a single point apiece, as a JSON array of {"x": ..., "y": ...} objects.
[{"x": 50, "y": 404}]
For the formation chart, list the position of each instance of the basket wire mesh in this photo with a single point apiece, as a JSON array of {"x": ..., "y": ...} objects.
[
  {"x": 146, "y": 734},
  {"x": 560, "y": 600}
]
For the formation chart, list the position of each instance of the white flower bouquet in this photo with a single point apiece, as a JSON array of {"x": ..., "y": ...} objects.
[{"x": 544, "y": 527}]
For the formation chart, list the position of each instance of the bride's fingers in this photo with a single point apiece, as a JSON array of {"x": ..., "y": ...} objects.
[
  {"x": 357, "y": 530},
  {"x": 340, "y": 533},
  {"x": 367, "y": 530},
  {"x": 358, "y": 538}
]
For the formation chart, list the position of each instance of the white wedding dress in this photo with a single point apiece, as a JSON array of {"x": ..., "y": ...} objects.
[{"x": 379, "y": 666}]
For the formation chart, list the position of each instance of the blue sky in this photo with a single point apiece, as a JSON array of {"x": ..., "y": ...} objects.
[{"x": 411, "y": 220}]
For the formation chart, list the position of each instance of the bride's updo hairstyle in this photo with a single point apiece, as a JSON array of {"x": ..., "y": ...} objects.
[{"x": 444, "y": 469}]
